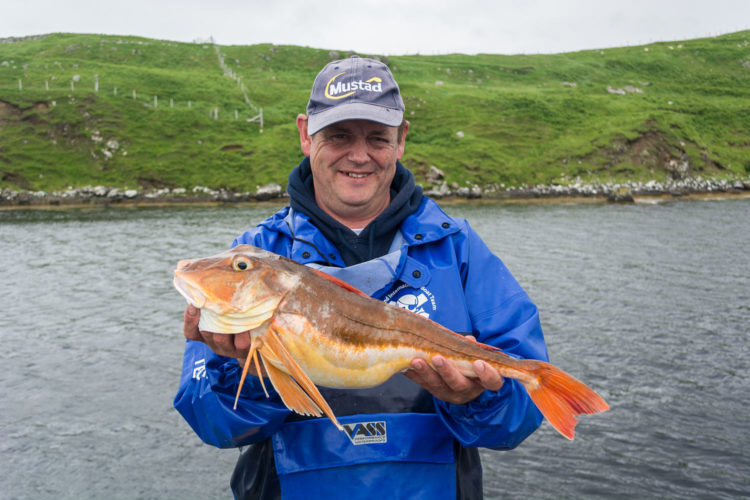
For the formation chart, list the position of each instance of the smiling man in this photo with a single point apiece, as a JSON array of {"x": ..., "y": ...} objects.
[{"x": 356, "y": 213}]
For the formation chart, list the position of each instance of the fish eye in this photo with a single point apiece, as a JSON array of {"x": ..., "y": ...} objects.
[{"x": 241, "y": 264}]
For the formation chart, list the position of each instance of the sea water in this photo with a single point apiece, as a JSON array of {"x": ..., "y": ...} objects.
[{"x": 647, "y": 303}]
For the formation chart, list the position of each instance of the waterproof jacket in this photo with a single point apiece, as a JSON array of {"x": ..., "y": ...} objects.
[{"x": 400, "y": 442}]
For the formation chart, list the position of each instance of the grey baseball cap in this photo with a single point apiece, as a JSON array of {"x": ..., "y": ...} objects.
[{"x": 357, "y": 88}]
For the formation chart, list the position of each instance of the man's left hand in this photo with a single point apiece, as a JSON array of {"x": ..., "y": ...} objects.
[{"x": 447, "y": 383}]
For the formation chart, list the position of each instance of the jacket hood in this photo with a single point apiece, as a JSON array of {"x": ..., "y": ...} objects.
[{"x": 375, "y": 239}]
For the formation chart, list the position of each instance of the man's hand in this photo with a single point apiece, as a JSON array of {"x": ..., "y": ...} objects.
[
  {"x": 445, "y": 382},
  {"x": 230, "y": 345}
]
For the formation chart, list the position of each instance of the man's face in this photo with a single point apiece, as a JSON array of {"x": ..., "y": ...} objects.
[{"x": 353, "y": 164}]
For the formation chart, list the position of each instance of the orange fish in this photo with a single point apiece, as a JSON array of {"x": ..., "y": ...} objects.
[{"x": 309, "y": 328}]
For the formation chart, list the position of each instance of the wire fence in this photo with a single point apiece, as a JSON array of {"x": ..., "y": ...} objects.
[{"x": 76, "y": 84}]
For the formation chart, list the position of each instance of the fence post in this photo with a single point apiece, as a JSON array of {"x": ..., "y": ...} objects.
[
  {"x": 46, "y": 85},
  {"x": 190, "y": 104},
  {"x": 115, "y": 90},
  {"x": 171, "y": 102},
  {"x": 20, "y": 85},
  {"x": 236, "y": 115},
  {"x": 96, "y": 83},
  {"x": 134, "y": 95},
  {"x": 156, "y": 103}
]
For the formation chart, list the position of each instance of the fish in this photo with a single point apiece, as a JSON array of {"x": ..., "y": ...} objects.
[{"x": 308, "y": 328}]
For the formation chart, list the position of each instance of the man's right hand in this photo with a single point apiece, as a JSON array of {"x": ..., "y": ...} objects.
[{"x": 230, "y": 345}]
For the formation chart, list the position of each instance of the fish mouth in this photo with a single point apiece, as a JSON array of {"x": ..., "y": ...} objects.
[{"x": 191, "y": 293}]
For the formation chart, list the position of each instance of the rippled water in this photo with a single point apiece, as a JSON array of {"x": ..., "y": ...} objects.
[{"x": 649, "y": 304}]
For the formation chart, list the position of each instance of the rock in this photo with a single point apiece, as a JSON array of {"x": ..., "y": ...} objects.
[
  {"x": 440, "y": 191},
  {"x": 434, "y": 175},
  {"x": 460, "y": 134},
  {"x": 569, "y": 84},
  {"x": 267, "y": 192},
  {"x": 131, "y": 193},
  {"x": 620, "y": 194},
  {"x": 469, "y": 192},
  {"x": 615, "y": 91}
]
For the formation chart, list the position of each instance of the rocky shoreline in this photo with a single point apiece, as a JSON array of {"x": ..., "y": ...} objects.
[{"x": 627, "y": 192}]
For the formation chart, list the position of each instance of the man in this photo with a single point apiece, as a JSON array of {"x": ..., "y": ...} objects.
[{"x": 356, "y": 213}]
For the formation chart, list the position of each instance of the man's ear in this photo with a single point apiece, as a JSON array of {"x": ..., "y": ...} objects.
[
  {"x": 402, "y": 143},
  {"x": 304, "y": 139}
]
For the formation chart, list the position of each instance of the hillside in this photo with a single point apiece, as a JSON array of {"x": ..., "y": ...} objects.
[{"x": 130, "y": 112}]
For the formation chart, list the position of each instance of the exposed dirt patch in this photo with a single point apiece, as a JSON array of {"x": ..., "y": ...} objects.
[
  {"x": 15, "y": 179},
  {"x": 9, "y": 110},
  {"x": 40, "y": 106},
  {"x": 230, "y": 147},
  {"x": 147, "y": 183},
  {"x": 654, "y": 151}
]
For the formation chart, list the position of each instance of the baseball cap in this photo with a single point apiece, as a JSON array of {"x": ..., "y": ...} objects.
[{"x": 357, "y": 88}]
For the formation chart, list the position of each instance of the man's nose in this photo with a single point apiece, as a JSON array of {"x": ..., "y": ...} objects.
[{"x": 359, "y": 153}]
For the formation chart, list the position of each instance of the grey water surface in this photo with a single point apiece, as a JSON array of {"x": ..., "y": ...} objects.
[{"x": 647, "y": 303}]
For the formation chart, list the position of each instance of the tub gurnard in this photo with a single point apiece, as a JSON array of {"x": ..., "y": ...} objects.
[{"x": 309, "y": 328}]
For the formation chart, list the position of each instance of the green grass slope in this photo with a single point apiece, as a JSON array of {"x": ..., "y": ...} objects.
[{"x": 170, "y": 114}]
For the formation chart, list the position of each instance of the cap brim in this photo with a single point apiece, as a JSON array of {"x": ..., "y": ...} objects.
[{"x": 354, "y": 111}]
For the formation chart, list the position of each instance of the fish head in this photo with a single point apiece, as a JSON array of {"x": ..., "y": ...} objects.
[{"x": 236, "y": 290}]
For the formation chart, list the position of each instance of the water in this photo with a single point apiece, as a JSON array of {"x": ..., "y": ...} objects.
[{"x": 649, "y": 304}]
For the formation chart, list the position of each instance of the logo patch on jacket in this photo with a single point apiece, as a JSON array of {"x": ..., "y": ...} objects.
[
  {"x": 366, "y": 432},
  {"x": 419, "y": 301}
]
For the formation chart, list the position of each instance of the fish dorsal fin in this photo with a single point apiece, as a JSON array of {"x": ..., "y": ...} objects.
[
  {"x": 299, "y": 392},
  {"x": 342, "y": 284}
]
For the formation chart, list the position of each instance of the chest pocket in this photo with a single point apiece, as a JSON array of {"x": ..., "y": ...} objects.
[{"x": 378, "y": 455}]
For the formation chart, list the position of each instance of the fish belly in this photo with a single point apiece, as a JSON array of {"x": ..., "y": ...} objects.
[{"x": 332, "y": 361}]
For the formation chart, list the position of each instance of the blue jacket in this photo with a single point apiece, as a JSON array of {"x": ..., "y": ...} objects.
[{"x": 400, "y": 441}]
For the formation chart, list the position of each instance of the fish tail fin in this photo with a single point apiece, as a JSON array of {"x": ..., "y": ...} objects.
[{"x": 561, "y": 398}]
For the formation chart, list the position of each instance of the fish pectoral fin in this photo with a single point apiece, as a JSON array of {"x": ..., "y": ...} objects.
[
  {"x": 252, "y": 357},
  {"x": 291, "y": 393},
  {"x": 300, "y": 390}
]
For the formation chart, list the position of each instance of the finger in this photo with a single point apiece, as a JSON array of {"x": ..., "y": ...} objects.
[
  {"x": 450, "y": 375},
  {"x": 425, "y": 376},
  {"x": 242, "y": 342},
  {"x": 191, "y": 318},
  {"x": 488, "y": 377},
  {"x": 224, "y": 345}
]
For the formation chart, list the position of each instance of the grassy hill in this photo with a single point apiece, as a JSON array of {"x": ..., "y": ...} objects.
[{"x": 169, "y": 114}]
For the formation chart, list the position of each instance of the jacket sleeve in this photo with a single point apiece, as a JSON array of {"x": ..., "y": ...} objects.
[
  {"x": 206, "y": 395},
  {"x": 503, "y": 316},
  {"x": 208, "y": 386}
]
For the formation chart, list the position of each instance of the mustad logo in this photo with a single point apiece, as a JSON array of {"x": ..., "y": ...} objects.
[
  {"x": 341, "y": 89},
  {"x": 366, "y": 432}
]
